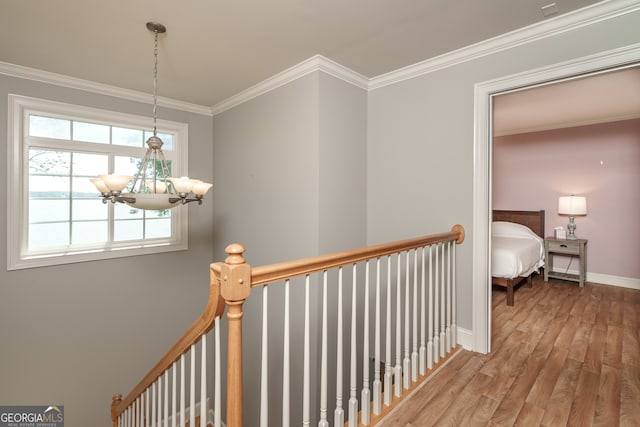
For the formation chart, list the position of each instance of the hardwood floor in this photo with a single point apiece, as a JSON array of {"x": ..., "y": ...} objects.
[{"x": 561, "y": 355}]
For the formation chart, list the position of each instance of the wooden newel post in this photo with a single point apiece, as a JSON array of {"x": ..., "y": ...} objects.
[
  {"x": 235, "y": 287},
  {"x": 115, "y": 401}
]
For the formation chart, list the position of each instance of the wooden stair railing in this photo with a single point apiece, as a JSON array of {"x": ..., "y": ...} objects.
[
  {"x": 231, "y": 284},
  {"x": 214, "y": 309}
]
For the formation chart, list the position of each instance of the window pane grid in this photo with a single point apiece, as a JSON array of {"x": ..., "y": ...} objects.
[
  {"x": 139, "y": 224},
  {"x": 58, "y": 128},
  {"x": 49, "y": 165}
]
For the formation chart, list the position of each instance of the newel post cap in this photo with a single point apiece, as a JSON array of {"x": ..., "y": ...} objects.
[
  {"x": 460, "y": 230},
  {"x": 235, "y": 275}
]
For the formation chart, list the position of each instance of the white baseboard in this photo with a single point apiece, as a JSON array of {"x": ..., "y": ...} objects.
[
  {"x": 465, "y": 338},
  {"x": 606, "y": 279}
]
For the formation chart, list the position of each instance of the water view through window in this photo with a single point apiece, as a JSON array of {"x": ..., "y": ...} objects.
[{"x": 64, "y": 208}]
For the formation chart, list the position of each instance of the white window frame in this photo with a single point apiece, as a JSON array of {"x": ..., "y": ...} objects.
[{"x": 17, "y": 191}]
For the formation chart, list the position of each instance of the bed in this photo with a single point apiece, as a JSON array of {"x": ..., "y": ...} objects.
[{"x": 517, "y": 248}]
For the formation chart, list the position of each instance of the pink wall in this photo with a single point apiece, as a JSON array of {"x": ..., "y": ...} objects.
[{"x": 601, "y": 162}]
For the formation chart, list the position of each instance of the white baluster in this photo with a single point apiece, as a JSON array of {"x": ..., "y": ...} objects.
[
  {"x": 286, "y": 392},
  {"x": 138, "y": 418},
  {"x": 414, "y": 353},
  {"x": 203, "y": 382},
  {"x": 153, "y": 404},
  {"x": 218, "y": 380},
  {"x": 436, "y": 305},
  {"x": 443, "y": 301},
  {"x": 397, "y": 374},
  {"x": 141, "y": 421},
  {"x": 166, "y": 398},
  {"x": 423, "y": 325},
  {"x": 406, "y": 362},
  {"x": 264, "y": 374},
  {"x": 430, "y": 312},
  {"x": 353, "y": 394},
  {"x": 377, "y": 384},
  {"x": 159, "y": 419},
  {"x": 454, "y": 301},
  {"x": 183, "y": 394},
  {"x": 146, "y": 407},
  {"x": 339, "y": 411},
  {"x": 388, "y": 371},
  {"x": 306, "y": 380},
  {"x": 365, "y": 398},
  {"x": 323, "y": 362},
  {"x": 174, "y": 408},
  {"x": 192, "y": 388},
  {"x": 448, "y": 329}
]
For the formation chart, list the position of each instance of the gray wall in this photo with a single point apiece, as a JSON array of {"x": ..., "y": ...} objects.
[
  {"x": 421, "y": 140},
  {"x": 291, "y": 173},
  {"x": 76, "y": 334}
]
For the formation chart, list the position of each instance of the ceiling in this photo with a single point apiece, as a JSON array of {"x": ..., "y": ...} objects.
[
  {"x": 602, "y": 97},
  {"x": 215, "y": 49}
]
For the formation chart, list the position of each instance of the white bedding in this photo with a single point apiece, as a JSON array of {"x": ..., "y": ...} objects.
[{"x": 515, "y": 250}]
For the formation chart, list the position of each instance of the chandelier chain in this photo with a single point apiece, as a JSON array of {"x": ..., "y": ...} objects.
[{"x": 155, "y": 82}]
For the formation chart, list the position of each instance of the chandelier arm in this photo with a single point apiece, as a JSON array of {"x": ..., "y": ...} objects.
[
  {"x": 166, "y": 173},
  {"x": 123, "y": 199},
  {"x": 185, "y": 200},
  {"x": 155, "y": 171},
  {"x": 142, "y": 170}
]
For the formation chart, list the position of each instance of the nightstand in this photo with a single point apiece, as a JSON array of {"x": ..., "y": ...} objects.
[{"x": 574, "y": 248}]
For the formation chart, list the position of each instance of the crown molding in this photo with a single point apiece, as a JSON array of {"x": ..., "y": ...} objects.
[
  {"x": 586, "y": 16},
  {"x": 563, "y": 23},
  {"x": 99, "y": 88},
  {"x": 589, "y": 15},
  {"x": 313, "y": 64}
]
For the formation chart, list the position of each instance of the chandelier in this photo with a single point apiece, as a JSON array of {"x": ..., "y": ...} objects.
[{"x": 151, "y": 188}]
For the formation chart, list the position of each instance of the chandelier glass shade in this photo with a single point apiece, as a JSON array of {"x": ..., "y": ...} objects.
[{"x": 152, "y": 187}]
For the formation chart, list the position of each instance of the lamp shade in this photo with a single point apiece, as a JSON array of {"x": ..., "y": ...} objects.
[{"x": 572, "y": 205}]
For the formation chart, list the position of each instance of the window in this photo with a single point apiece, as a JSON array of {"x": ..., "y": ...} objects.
[{"x": 57, "y": 216}]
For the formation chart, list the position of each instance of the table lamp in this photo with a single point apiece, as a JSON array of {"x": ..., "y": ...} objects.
[{"x": 572, "y": 206}]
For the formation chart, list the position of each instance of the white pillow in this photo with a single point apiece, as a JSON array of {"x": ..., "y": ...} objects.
[{"x": 511, "y": 229}]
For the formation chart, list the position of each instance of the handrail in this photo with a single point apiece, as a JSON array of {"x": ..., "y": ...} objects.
[
  {"x": 230, "y": 285},
  {"x": 202, "y": 325},
  {"x": 266, "y": 274}
]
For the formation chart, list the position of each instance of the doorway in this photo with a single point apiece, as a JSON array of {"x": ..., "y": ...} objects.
[{"x": 482, "y": 192}]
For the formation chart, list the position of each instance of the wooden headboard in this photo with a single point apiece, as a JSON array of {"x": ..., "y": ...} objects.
[{"x": 532, "y": 219}]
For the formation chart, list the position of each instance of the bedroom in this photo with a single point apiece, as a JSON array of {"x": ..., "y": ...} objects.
[{"x": 590, "y": 148}]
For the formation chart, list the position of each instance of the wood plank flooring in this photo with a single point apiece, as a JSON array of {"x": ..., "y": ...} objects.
[{"x": 562, "y": 356}]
